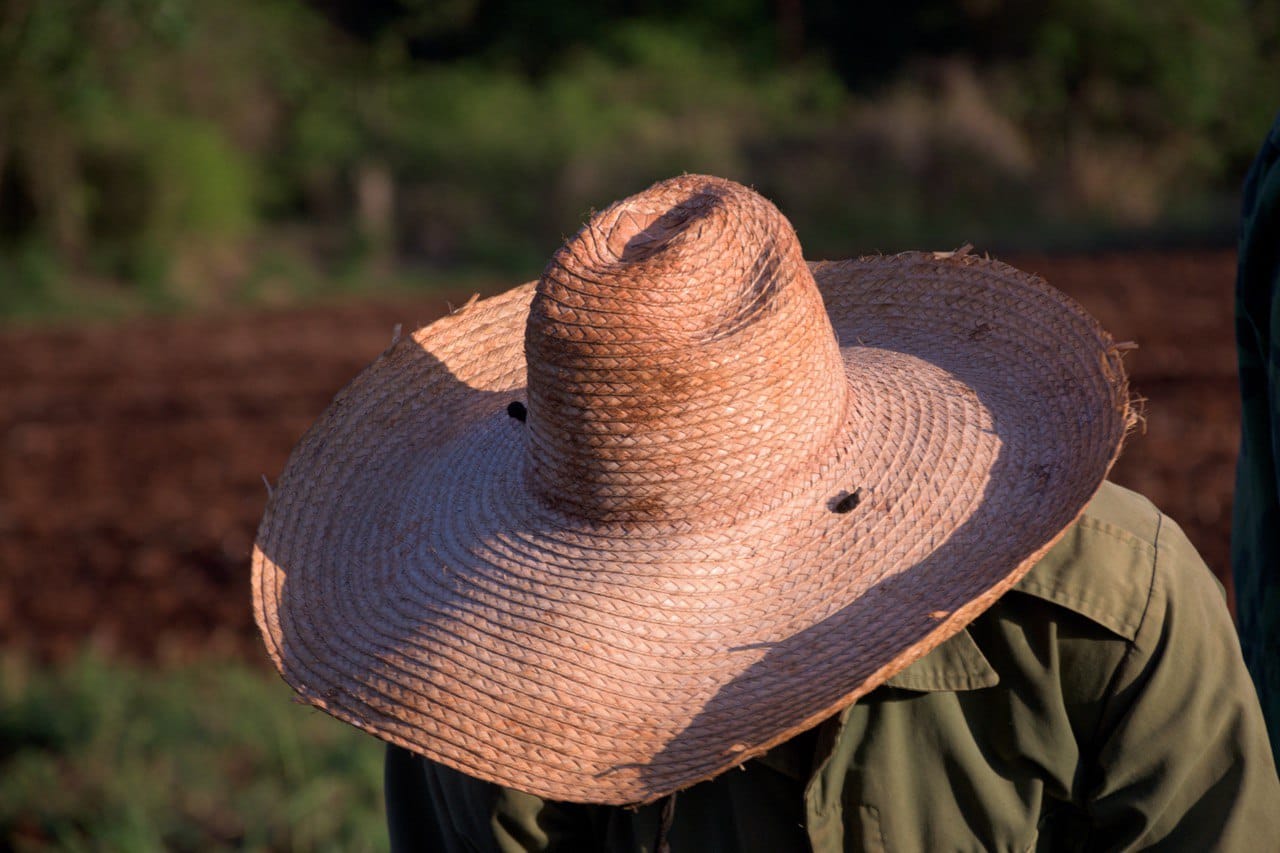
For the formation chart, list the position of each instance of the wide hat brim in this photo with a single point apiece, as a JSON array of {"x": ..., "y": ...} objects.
[{"x": 406, "y": 581}]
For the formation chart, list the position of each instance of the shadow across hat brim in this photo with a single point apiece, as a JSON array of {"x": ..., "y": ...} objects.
[{"x": 407, "y": 582}]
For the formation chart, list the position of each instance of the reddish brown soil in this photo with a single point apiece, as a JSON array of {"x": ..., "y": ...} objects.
[{"x": 132, "y": 457}]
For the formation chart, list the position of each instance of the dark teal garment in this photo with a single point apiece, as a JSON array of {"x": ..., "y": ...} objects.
[{"x": 1255, "y": 535}]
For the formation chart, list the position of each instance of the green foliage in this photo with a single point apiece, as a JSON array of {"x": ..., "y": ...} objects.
[
  {"x": 172, "y": 153},
  {"x": 135, "y": 131},
  {"x": 152, "y": 182},
  {"x": 1142, "y": 108},
  {"x": 500, "y": 167},
  {"x": 30, "y": 274},
  {"x": 1182, "y": 66},
  {"x": 215, "y": 756}
]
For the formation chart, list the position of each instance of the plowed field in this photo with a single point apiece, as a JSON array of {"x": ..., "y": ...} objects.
[{"x": 132, "y": 456}]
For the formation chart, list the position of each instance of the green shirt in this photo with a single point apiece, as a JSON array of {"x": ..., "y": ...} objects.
[{"x": 1101, "y": 704}]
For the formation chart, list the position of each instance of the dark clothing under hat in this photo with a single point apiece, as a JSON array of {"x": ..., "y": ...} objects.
[{"x": 1255, "y": 534}]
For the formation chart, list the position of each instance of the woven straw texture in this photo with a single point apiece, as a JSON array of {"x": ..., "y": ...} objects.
[{"x": 723, "y": 511}]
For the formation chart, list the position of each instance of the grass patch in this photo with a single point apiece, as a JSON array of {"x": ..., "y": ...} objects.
[{"x": 103, "y": 755}]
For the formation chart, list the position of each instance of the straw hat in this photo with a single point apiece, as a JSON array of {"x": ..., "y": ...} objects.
[{"x": 607, "y": 535}]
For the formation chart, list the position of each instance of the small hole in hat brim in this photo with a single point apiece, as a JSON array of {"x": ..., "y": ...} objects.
[{"x": 845, "y": 501}]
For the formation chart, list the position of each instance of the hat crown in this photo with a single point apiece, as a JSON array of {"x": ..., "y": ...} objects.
[{"x": 681, "y": 363}]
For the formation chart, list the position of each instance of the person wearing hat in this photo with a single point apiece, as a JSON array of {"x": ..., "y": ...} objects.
[{"x": 825, "y": 548}]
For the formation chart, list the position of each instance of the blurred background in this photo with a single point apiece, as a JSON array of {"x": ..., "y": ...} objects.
[{"x": 212, "y": 215}]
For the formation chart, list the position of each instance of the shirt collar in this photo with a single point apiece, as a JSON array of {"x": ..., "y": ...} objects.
[{"x": 957, "y": 664}]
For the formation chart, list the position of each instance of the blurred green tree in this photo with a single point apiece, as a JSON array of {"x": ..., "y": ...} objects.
[{"x": 175, "y": 146}]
